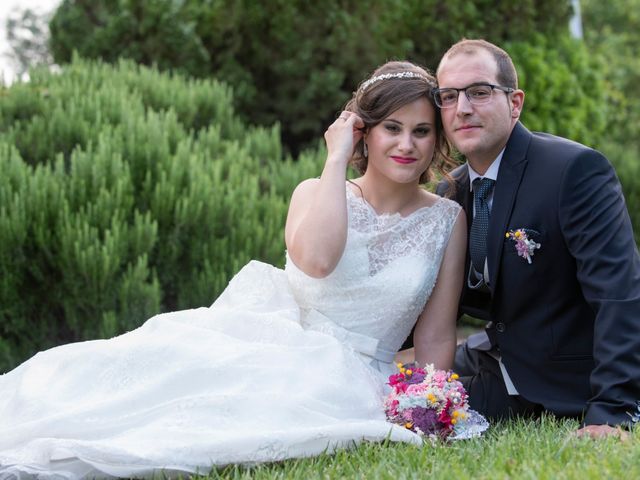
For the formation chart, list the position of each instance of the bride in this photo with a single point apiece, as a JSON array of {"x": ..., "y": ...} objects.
[{"x": 285, "y": 363}]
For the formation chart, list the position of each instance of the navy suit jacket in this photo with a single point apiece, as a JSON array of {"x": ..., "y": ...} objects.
[{"x": 568, "y": 324}]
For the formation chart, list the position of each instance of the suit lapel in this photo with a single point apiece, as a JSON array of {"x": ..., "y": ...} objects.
[{"x": 512, "y": 167}]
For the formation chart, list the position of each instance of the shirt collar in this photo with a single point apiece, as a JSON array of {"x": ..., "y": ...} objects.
[{"x": 492, "y": 171}]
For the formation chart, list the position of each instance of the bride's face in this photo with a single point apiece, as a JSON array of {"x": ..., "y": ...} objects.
[{"x": 401, "y": 147}]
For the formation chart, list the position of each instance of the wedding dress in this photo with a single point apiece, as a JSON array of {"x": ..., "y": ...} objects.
[{"x": 282, "y": 365}]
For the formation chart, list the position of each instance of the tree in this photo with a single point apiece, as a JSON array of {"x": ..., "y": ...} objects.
[
  {"x": 611, "y": 29},
  {"x": 293, "y": 62},
  {"x": 160, "y": 32}
]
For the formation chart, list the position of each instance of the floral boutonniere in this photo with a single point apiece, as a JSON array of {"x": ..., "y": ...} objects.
[{"x": 525, "y": 247}]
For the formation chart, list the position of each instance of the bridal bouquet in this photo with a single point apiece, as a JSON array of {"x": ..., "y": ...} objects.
[{"x": 432, "y": 403}]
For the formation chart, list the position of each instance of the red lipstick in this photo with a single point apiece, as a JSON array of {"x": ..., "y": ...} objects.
[{"x": 403, "y": 160}]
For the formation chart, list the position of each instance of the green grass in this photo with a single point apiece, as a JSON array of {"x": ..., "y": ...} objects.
[{"x": 522, "y": 449}]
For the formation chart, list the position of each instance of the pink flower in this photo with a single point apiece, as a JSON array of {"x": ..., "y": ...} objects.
[
  {"x": 393, "y": 407},
  {"x": 417, "y": 389},
  {"x": 440, "y": 377},
  {"x": 525, "y": 247}
]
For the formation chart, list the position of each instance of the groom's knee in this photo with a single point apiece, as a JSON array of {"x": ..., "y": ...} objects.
[{"x": 466, "y": 362}]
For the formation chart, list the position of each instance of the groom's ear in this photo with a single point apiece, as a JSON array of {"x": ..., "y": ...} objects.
[{"x": 517, "y": 102}]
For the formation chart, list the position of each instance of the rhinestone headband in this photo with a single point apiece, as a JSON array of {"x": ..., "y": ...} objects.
[{"x": 387, "y": 76}]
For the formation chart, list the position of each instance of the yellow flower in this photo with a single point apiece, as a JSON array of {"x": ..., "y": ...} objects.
[
  {"x": 399, "y": 365},
  {"x": 507, "y": 234},
  {"x": 409, "y": 372},
  {"x": 455, "y": 376},
  {"x": 431, "y": 397},
  {"x": 518, "y": 234},
  {"x": 453, "y": 421},
  {"x": 408, "y": 425},
  {"x": 455, "y": 414}
]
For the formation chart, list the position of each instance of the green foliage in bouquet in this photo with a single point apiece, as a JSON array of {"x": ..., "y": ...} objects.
[{"x": 126, "y": 192}]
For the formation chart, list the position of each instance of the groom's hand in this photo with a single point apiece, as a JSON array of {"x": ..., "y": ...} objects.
[{"x": 602, "y": 431}]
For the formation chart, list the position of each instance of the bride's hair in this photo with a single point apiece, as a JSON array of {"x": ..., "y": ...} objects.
[{"x": 392, "y": 86}]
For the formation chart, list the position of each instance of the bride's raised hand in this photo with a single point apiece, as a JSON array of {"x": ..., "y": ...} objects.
[{"x": 342, "y": 136}]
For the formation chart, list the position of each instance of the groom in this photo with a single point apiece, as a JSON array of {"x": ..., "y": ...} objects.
[{"x": 552, "y": 263}]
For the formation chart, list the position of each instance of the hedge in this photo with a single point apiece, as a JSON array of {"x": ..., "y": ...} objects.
[{"x": 126, "y": 192}]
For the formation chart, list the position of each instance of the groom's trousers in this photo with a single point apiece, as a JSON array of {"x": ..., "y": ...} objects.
[{"x": 481, "y": 376}]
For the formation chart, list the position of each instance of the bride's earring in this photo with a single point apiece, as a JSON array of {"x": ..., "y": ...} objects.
[{"x": 365, "y": 150}]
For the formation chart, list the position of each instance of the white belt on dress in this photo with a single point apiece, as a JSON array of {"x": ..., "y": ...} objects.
[{"x": 362, "y": 344}]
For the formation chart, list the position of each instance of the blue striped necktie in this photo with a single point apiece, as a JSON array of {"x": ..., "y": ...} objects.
[{"x": 478, "y": 235}]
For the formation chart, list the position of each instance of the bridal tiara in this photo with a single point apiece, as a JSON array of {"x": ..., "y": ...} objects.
[{"x": 386, "y": 76}]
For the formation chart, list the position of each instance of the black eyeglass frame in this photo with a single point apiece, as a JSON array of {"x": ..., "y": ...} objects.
[{"x": 436, "y": 92}]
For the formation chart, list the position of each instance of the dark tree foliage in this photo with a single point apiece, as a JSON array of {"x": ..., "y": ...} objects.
[
  {"x": 290, "y": 61},
  {"x": 612, "y": 31},
  {"x": 150, "y": 32}
]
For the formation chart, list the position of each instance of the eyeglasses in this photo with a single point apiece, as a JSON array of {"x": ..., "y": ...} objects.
[{"x": 477, "y": 94}]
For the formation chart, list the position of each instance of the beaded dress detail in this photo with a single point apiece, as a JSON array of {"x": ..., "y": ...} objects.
[{"x": 282, "y": 365}]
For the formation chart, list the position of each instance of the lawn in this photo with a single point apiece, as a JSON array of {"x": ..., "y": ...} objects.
[{"x": 523, "y": 449}]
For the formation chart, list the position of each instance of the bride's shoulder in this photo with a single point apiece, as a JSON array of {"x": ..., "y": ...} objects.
[
  {"x": 307, "y": 186},
  {"x": 303, "y": 193}
]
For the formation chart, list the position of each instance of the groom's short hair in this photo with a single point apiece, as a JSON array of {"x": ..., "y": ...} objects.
[{"x": 507, "y": 75}]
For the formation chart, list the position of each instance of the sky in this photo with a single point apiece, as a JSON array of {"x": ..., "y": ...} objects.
[{"x": 6, "y": 6}]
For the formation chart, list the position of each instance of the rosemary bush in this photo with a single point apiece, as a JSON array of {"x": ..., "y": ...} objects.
[{"x": 126, "y": 192}]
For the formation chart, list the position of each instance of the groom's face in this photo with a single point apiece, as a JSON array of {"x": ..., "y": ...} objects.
[{"x": 479, "y": 132}]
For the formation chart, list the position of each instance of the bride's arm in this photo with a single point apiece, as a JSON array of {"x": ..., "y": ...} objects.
[
  {"x": 316, "y": 228},
  {"x": 435, "y": 334}
]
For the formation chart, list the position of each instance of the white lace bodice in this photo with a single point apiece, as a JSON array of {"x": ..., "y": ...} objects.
[{"x": 384, "y": 278}]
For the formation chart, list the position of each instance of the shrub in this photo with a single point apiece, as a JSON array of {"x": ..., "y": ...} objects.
[
  {"x": 625, "y": 161},
  {"x": 611, "y": 30},
  {"x": 564, "y": 88},
  {"x": 126, "y": 192}
]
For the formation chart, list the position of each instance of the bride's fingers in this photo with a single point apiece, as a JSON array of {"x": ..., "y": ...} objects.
[
  {"x": 357, "y": 127},
  {"x": 357, "y": 135},
  {"x": 358, "y": 122},
  {"x": 350, "y": 118},
  {"x": 346, "y": 120},
  {"x": 342, "y": 121},
  {"x": 344, "y": 133}
]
